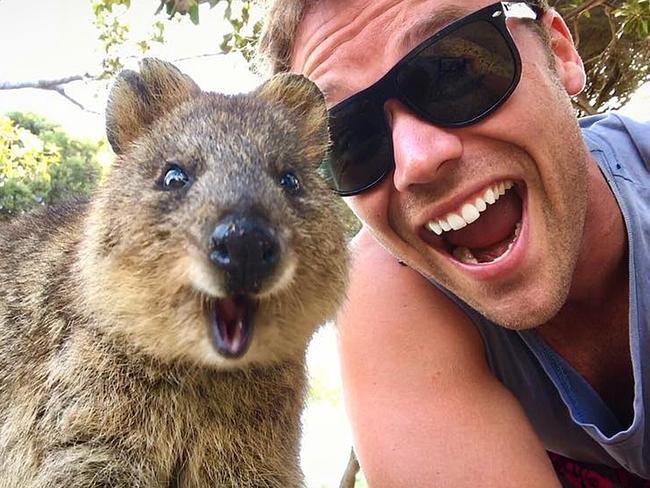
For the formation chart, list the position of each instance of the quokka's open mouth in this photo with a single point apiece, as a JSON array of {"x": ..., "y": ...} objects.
[{"x": 231, "y": 324}]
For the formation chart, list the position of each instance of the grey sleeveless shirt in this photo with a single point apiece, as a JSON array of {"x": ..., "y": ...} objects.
[{"x": 568, "y": 415}]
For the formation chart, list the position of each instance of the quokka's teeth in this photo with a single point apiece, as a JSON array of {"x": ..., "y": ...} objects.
[{"x": 464, "y": 255}]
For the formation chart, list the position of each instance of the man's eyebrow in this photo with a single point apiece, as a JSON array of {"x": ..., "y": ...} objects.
[
  {"x": 329, "y": 91},
  {"x": 425, "y": 27},
  {"x": 418, "y": 31}
]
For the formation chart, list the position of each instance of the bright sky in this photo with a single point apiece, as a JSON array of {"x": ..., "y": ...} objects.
[{"x": 53, "y": 39}]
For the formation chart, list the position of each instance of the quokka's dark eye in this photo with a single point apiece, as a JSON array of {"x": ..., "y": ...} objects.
[
  {"x": 175, "y": 178},
  {"x": 289, "y": 181}
]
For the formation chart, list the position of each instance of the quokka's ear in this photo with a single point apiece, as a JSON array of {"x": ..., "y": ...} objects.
[
  {"x": 306, "y": 104},
  {"x": 137, "y": 99}
]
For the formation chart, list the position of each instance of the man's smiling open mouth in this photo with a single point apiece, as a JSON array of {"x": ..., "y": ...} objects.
[{"x": 484, "y": 229}]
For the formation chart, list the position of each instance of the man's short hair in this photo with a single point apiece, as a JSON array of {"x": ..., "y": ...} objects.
[{"x": 282, "y": 20}]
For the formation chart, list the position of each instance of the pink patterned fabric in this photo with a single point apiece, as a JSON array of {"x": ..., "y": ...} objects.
[{"x": 574, "y": 474}]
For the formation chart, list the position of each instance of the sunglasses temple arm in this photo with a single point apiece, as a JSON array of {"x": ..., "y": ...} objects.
[{"x": 521, "y": 10}]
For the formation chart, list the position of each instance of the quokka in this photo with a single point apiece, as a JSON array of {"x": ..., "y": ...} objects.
[{"x": 154, "y": 336}]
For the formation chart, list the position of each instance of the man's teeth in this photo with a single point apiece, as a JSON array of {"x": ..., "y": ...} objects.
[
  {"x": 465, "y": 255},
  {"x": 470, "y": 211}
]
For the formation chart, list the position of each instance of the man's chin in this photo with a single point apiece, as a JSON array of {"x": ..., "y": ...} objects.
[{"x": 519, "y": 312}]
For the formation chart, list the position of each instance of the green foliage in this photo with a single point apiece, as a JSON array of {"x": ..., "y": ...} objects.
[
  {"x": 41, "y": 164},
  {"x": 244, "y": 35},
  {"x": 635, "y": 17},
  {"x": 320, "y": 390},
  {"x": 113, "y": 34},
  {"x": 612, "y": 38}
]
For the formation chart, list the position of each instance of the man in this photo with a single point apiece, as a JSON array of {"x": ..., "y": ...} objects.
[{"x": 483, "y": 203}]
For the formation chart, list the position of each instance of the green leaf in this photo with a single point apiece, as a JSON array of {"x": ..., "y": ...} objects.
[
  {"x": 194, "y": 13},
  {"x": 224, "y": 47},
  {"x": 143, "y": 46},
  {"x": 245, "y": 13},
  {"x": 41, "y": 164}
]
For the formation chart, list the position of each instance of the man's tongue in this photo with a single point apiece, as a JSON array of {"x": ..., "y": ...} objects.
[{"x": 489, "y": 237}]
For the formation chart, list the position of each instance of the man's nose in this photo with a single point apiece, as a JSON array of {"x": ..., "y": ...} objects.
[{"x": 420, "y": 148}]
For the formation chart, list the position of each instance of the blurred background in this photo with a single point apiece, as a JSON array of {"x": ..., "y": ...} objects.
[{"x": 57, "y": 61}]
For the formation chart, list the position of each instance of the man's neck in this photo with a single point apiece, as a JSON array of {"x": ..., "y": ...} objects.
[
  {"x": 602, "y": 263},
  {"x": 591, "y": 330}
]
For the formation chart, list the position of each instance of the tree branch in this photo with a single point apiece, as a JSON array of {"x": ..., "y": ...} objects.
[
  {"x": 196, "y": 56},
  {"x": 571, "y": 14},
  {"x": 582, "y": 103},
  {"x": 350, "y": 475},
  {"x": 42, "y": 84},
  {"x": 62, "y": 92},
  {"x": 55, "y": 85}
]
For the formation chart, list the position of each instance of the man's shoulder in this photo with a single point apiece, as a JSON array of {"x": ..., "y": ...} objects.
[
  {"x": 383, "y": 286},
  {"x": 623, "y": 140}
]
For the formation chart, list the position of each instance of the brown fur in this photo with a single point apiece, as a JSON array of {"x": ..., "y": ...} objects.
[{"x": 107, "y": 374}]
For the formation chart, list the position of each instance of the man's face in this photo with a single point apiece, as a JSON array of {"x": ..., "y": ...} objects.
[{"x": 515, "y": 262}]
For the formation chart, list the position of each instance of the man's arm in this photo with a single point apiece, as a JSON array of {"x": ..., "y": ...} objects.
[{"x": 425, "y": 408}]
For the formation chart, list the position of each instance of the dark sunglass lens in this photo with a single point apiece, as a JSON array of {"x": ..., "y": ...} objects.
[
  {"x": 361, "y": 152},
  {"x": 462, "y": 76}
]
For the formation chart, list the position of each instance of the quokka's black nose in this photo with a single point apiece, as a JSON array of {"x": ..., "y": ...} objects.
[{"x": 246, "y": 249}]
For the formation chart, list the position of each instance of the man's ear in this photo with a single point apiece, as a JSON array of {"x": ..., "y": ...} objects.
[
  {"x": 567, "y": 60},
  {"x": 305, "y": 104},
  {"x": 137, "y": 99}
]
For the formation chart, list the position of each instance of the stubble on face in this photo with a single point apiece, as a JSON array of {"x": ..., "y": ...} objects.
[
  {"x": 563, "y": 198},
  {"x": 557, "y": 193},
  {"x": 556, "y": 182}
]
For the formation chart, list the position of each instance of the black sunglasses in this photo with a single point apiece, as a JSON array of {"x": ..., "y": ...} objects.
[{"x": 455, "y": 78}]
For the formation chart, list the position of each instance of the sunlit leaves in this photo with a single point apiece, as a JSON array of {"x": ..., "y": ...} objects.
[
  {"x": 39, "y": 164},
  {"x": 635, "y": 17},
  {"x": 612, "y": 39},
  {"x": 114, "y": 34},
  {"x": 244, "y": 32},
  {"x": 24, "y": 161}
]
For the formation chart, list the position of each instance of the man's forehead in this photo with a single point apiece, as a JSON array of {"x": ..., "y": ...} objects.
[
  {"x": 343, "y": 23},
  {"x": 422, "y": 27}
]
